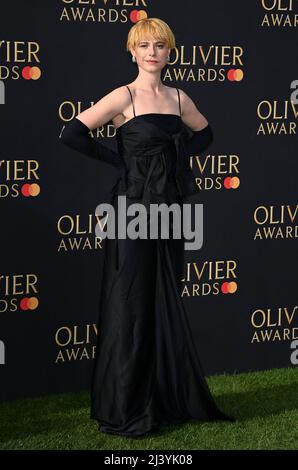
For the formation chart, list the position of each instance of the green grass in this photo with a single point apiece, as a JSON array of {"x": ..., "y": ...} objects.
[{"x": 264, "y": 403}]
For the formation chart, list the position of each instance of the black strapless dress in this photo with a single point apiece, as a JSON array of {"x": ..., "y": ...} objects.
[{"x": 146, "y": 369}]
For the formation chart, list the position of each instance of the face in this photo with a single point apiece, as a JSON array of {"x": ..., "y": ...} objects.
[{"x": 151, "y": 54}]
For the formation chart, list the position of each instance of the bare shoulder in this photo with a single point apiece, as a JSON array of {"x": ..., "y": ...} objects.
[
  {"x": 105, "y": 109},
  {"x": 184, "y": 97},
  {"x": 190, "y": 113},
  {"x": 120, "y": 90},
  {"x": 119, "y": 93},
  {"x": 172, "y": 90}
]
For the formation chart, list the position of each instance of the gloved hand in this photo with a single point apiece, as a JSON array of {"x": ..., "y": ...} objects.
[
  {"x": 199, "y": 141},
  {"x": 76, "y": 136}
]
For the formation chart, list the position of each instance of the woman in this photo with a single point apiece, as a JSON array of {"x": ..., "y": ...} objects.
[{"x": 147, "y": 369}]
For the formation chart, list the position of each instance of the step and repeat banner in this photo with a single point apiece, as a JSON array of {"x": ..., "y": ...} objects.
[{"x": 238, "y": 62}]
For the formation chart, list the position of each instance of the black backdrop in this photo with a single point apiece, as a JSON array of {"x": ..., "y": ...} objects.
[{"x": 59, "y": 57}]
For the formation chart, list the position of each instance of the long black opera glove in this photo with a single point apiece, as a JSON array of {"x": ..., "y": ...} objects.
[
  {"x": 76, "y": 136},
  {"x": 199, "y": 141}
]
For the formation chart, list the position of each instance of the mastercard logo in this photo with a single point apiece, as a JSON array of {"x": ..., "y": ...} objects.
[
  {"x": 229, "y": 287},
  {"x": 31, "y": 73},
  {"x": 235, "y": 75},
  {"x": 231, "y": 182},
  {"x": 30, "y": 189},
  {"x": 136, "y": 15},
  {"x": 29, "y": 303}
]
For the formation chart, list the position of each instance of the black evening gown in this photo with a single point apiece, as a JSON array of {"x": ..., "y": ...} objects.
[{"x": 146, "y": 368}]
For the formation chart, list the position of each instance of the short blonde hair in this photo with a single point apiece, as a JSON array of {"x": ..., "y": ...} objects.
[{"x": 154, "y": 27}]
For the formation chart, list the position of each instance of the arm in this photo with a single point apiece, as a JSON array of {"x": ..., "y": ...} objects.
[
  {"x": 202, "y": 131},
  {"x": 76, "y": 133}
]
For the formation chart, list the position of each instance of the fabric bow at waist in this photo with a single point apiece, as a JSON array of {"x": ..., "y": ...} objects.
[
  {"x": 164, "y": 172},
  {"x": 166, "y": 177}
]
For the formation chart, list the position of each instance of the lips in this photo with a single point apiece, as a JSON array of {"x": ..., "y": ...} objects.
[{"x": 152, "y": 61}]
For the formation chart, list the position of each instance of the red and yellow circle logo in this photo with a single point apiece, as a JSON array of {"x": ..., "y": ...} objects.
[
  {"x": 231, "y": 182},
  {"x": 235, "y": 75},
  {"x": 31, "y": 73},
  {"x": 29, "y": 303},
  {"x": 30, "y": 189},
  {"x": 136, "y": 15},
  {"x": 229, "y": 287}
]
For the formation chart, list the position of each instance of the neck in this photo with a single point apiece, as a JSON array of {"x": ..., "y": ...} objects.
[{"x": 149, "y": 81}]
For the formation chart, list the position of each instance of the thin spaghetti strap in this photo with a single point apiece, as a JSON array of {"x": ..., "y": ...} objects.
[
  {"x": 131, "y": 101},
  {"x": 179, "y": 101}
]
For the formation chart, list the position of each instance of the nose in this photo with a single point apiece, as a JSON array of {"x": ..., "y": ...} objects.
[{"x": 151, "y": 50}]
